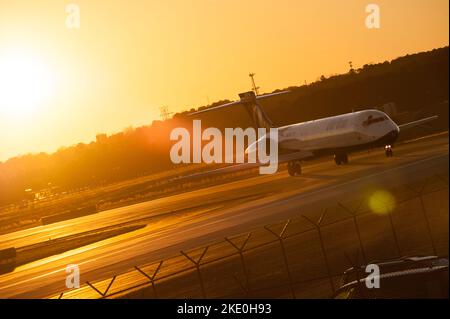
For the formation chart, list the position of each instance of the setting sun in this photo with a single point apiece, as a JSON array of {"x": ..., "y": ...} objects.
[{"x": 26, "y": 82}]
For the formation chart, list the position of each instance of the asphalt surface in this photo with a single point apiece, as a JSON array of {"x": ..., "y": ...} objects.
[{"x": 195, "y": 218}]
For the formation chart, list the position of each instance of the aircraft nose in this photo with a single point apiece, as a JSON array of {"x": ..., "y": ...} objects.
[
  {"x": 393, "y": 135},
  {"x": 394, "y": 130}
]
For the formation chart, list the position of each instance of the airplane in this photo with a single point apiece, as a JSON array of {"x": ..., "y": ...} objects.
[{"x": 336, "y": 135}]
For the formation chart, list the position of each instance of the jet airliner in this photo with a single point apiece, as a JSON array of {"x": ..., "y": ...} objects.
[{"x": 336, "y": 135}]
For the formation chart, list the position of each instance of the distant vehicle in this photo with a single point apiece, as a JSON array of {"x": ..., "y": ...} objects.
[
  {"x": 337, "y": 135},
  {"x": 405, "y": 278}
]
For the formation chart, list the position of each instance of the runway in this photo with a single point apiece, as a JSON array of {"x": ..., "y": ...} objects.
[{"x": 195, "y": 218}]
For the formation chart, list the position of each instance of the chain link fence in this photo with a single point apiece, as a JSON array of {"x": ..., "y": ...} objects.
[{"x": 303, "y": 257}]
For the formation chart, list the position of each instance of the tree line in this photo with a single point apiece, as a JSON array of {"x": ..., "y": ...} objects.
[{"x": 415, "y": 83}]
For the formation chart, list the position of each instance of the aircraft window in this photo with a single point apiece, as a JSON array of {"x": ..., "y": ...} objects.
[{"x": 371, "y": 120}]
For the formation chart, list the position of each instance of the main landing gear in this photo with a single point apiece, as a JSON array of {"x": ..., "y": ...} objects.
[
  {"x": 294, "y": 168},
  {"x": 388, "y": 151},
  {"x": 340, "y": 159}
]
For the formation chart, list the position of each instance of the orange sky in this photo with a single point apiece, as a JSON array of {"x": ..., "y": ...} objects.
[{"x": 127, "y": 60}]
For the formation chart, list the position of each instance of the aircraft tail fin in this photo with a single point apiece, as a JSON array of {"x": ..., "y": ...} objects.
[
  {"x": 250, "y": 101},
  {"x": 259, "y": 117}
]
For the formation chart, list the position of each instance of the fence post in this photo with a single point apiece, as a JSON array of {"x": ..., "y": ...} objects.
[
  {"x": 152, "y": 277},
  {"x": 103, "y": 294},
  {"x": 319, "y": 232},
  {"x": 240, "y": 251},
  {"x": 424, "y": 213},
  {"x": 197, "y": 266},
  {"x": 394, "y": 233},
  {"x": 353, "y": 213},
  {"x": 243, "y": 287},
  {"x": 283, "y": 250}
]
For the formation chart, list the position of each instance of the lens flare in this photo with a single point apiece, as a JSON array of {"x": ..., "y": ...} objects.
[{"x": 381, "y": 202}]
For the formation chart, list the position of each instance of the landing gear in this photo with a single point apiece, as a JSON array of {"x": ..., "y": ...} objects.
[
  {"x": 340, "y": 159},
  {"x": 388, "y": 151},
  {"x": 294, "y": 168}
]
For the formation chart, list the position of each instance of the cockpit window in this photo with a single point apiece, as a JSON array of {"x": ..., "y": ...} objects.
[{"x": 372, "y": 120}]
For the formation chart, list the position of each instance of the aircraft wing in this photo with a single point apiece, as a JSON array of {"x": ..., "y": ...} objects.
[
  {"x": 215, "y": 107},
  {"x": 258, "y": 97},
  {"x": 409, "y": 125},
  {"x": 283, "y": 158}
]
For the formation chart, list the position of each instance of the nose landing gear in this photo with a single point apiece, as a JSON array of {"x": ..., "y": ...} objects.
[
  {"x": 388, "y": 151},
  {"x": 294, "y": 168}
]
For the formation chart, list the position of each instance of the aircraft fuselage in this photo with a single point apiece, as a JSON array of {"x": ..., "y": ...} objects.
[{"x": 339, "y": 134}]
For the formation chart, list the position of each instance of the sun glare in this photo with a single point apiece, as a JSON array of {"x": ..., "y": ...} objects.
[{"x": 25, "y": 83}]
